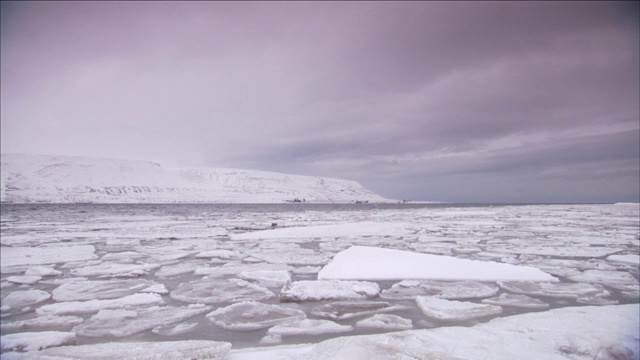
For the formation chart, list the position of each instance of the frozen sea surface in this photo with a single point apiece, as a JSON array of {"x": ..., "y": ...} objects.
[{"x": 199, "y": 279}]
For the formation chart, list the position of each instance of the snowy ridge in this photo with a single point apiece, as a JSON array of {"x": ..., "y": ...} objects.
[{"x": 65, "y": 179}]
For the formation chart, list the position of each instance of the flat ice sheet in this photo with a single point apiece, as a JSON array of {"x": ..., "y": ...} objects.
[{"x": 370, "y": 263}]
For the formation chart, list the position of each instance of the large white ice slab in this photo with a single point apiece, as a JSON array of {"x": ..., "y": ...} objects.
[
  {"x": 12, "y": 256},
  {"x": 370, "y": 263}
]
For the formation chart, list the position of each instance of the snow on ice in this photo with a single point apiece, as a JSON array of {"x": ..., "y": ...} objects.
[
  {"x": 369, "y": 263},
  {"x": 308, "y": 290},
  {"x": 308, "y": 327},
  {"x": 385, "y": 322}
]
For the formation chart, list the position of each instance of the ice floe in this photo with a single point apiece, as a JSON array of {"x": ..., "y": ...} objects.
[
  {"x": 516, "y": 301},
  {"x": 82, "y": 290},
  {"x": 11, "y": 256},
  {"x": 625, "y": 259},
  {"x": 268, "y": 278},
  {"x": 385, "y": 322},
  {"x": 452, "y": 290},
  {"x": 369, "y": 263},
  {"x": 115, "y": 270},
  {"x": 308, "y": 290},
  {"x": 554, "y": 290},
  {"x": 451, "y": 310},
  {"x": 291, "y": 256},
  {"x": 19, "y": 299},
  {"x": 604, "y": 277},
  {"x": 121, "y": 322},
  {"x": 174, "y": 329},
  {"x": 166, "y": 350},
  {"x": 251, "y": 315},
  {"x": 222, "y": 254},
  {"x": 308, "y": 327},
  {"x": 562, "y": 250},
  {"x": 211, "y": 291},
  {"x": 233, "y": 269},
  {"x": 25, "y": 279},
  {"x": 92, "y": 306},
  {"x": 42, "y": 271},
  {"x": 42, "y": 322},
  {"x": 168, "y": 271},
  {"x": 33, "y": 341},
  {"x": 344, "y": 310}
]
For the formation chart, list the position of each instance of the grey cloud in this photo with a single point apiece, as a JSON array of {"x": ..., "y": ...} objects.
[{"x": 401, "y": 96}]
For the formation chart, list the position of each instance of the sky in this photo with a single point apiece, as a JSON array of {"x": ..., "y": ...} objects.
[{"x": 434, "y": 101}]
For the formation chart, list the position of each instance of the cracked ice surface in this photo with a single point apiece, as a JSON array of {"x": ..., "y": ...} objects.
[{"x": 111, "y": 264}]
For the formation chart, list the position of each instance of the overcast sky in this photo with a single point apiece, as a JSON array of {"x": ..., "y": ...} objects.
[{"x": 461, "y": 102}]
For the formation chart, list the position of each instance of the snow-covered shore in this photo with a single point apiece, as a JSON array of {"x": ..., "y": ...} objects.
[{"x": 67, "y": 179}]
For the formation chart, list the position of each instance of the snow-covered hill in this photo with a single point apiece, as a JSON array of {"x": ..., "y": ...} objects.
[{"x": 65, "y": 179}]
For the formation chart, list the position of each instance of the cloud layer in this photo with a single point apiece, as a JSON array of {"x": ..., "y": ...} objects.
[{"x": 494, "y": 102}]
